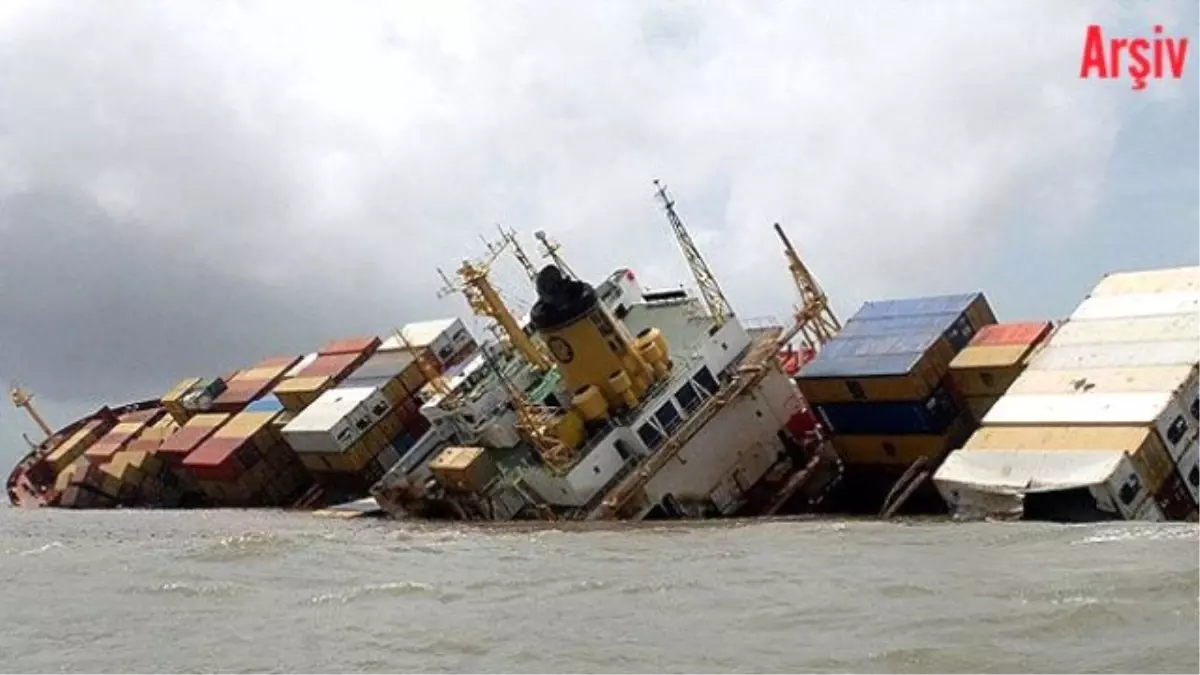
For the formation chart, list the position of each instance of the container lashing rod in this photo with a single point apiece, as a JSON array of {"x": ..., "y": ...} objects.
[
  {"x": 815, "y": 321},
  {"x": 710, "y": 291}
]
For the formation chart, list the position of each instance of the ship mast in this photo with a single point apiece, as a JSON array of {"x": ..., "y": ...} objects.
[
  {"x": 550, "y": 249},
  {"x": 483, "y": 299},
  {"x": 714, "y": 299},
  {"x": 509, "y": 237},
  {"x": 22, "y": 399},
  {"x": 815, "y": 320}
]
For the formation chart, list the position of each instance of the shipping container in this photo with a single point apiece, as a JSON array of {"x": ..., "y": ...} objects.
[
  {"x": 238, "y": 394},
  {"x": 1170, "y": 280},
  {"x": 1189, "y": 469},
  {"x": 931, "y": 416},
  {"x": 991, "y": 356},
  {"x": 268, "y": 403},
  {"x": 304, "y": 362},
  {"x": 1105, "y": 380},
  {"x": 387, "y": 366},
  {"x": 1137, "y": 305},
  {"x": 297, "y": 393},
  {"x": 73, "y": 448},
  {"x": 1117, "y": 355},
  {"x": 1175, "y": 500},
  {"x": 285, "y": 363},
  {"x": 464, "y": 469},
  {"x": 1143, "y": 444},
  {"x": 246, "y": 424},
  {"x": 334, "y": 366},
  {"x": 336, "y": 420},
  {"x": 358, "y": 345},
  {"x": 1009, "y": 334},
  {"x": 1160, "y": 409},
  {"x": 957, "y": 329},
  {"x": 879, "y": 377},
  {"x": 900, "y": 451},
  {"x": 271, "y": 374},
  {"x": 191, "y": 435},
  {"x": 1143, "y": 330},
  {"x": 997, "y": 480},
  {"x": 938, "y": 304}
]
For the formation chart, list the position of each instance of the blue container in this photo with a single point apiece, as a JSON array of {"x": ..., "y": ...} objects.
[
  {"x": 931, "y": 416},
  {"x": 895, "y": 325},
  {"x": 267, "y": 403},
  {"x": 935, "y": 304}
]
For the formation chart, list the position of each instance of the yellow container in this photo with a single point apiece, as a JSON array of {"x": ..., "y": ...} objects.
[
  {"x": 1143, "y": 444},
  {"x": 72, "y": 448},
  {"x": 986, "y": 381},
  {"x": 990, "y": 356},
  {"x": 263, "y": 373},
  {"x": 465, "y": 469},
  {"x": 901, "y": 450},
  {"x": 180, "y": 389},
  {"x": 297, "y": 393},
  {"x": 208, "y": 420},
  {"x": 246, "y": 425}
]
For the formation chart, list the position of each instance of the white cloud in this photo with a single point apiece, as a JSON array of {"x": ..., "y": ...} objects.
[{"x": 306, "y": 149}]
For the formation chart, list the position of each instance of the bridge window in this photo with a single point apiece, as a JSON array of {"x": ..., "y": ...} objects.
[{"x": 668, "y": 417}]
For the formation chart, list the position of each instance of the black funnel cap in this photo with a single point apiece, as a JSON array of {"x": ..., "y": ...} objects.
[{"x": 561, "y": 299}]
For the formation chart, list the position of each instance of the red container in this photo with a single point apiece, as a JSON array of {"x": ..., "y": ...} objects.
[
  {"x": 999, "y": 334},
  {"x": 216, "y": 460},
  {"x": 363, "y": 345},
  {"x": 335, "y": 366},
  {"x": 184, "y": 441},
  {"x": 239, "y": 394}
]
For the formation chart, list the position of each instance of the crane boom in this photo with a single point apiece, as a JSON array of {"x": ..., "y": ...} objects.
[
  {"x": 814, "y": 319},
  {"x": 710, "y": 291}
]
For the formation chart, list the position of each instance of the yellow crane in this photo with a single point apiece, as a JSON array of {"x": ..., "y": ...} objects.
[
  {"x": 710, "y": 291},
  {"x": 815, "y": 321},
  {"x": 485, "y": 301},
  {"x": 22, "y": 399}
]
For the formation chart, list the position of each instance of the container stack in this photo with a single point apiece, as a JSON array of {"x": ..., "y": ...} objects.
[
  {"x": 245, "y": 462},
  {"x": 80, "y": 486},
  {"x": 993, "y": 359},
  {"x": 881, "y": 389},
  {"x": 445, "y": 342},
  {"x": 348, "y": 437},
  {"x": 1103, "y": 422},
  {"x": 320, "y": 371},
  {"x": 78, "y": 443}
]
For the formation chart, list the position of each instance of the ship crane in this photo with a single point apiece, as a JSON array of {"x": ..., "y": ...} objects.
[
  {"x": 714, "y": 299},
  {"x": 815, "y": 321},
  {"x": 484, "y": 301},
  {"x": 22, "y": 399}
]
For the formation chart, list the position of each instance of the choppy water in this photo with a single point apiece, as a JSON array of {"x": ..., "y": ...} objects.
[{"x": 238, "y": 591}]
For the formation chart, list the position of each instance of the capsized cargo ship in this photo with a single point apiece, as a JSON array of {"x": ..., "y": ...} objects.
[{"x": 606, "y": 402}]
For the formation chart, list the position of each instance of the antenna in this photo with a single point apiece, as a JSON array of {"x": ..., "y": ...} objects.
[
  {"x": 710, "y": 291},
  {"x": 510, "y": 237},
  {"x": 550, "y": 249}
]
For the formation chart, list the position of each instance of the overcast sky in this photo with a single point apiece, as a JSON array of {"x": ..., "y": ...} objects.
[{"x": 187, "y": 187}]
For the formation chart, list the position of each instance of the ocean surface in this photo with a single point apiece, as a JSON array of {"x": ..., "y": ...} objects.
[{"x": 276, "y": 592}]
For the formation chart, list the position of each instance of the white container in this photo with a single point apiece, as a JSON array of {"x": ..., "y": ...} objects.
[
  {"x": 1189, "y": 468},
  {"x": 1137, "y": 304},
  {"x": 304, "y": 362},
  {"x": 1104, "y": 380},
  {"x": 333, "y": 422},
  {"x": 1149, "y": 329},
  {"x": 1166, "y": 280},
  {"x": 995, "y": 482},
  {"x": 1149, "y": 512},
  {"x": 1160, "y": 409},
  {"x": 1117, "y": 355},
  {"x": 387, "y": 458}
]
